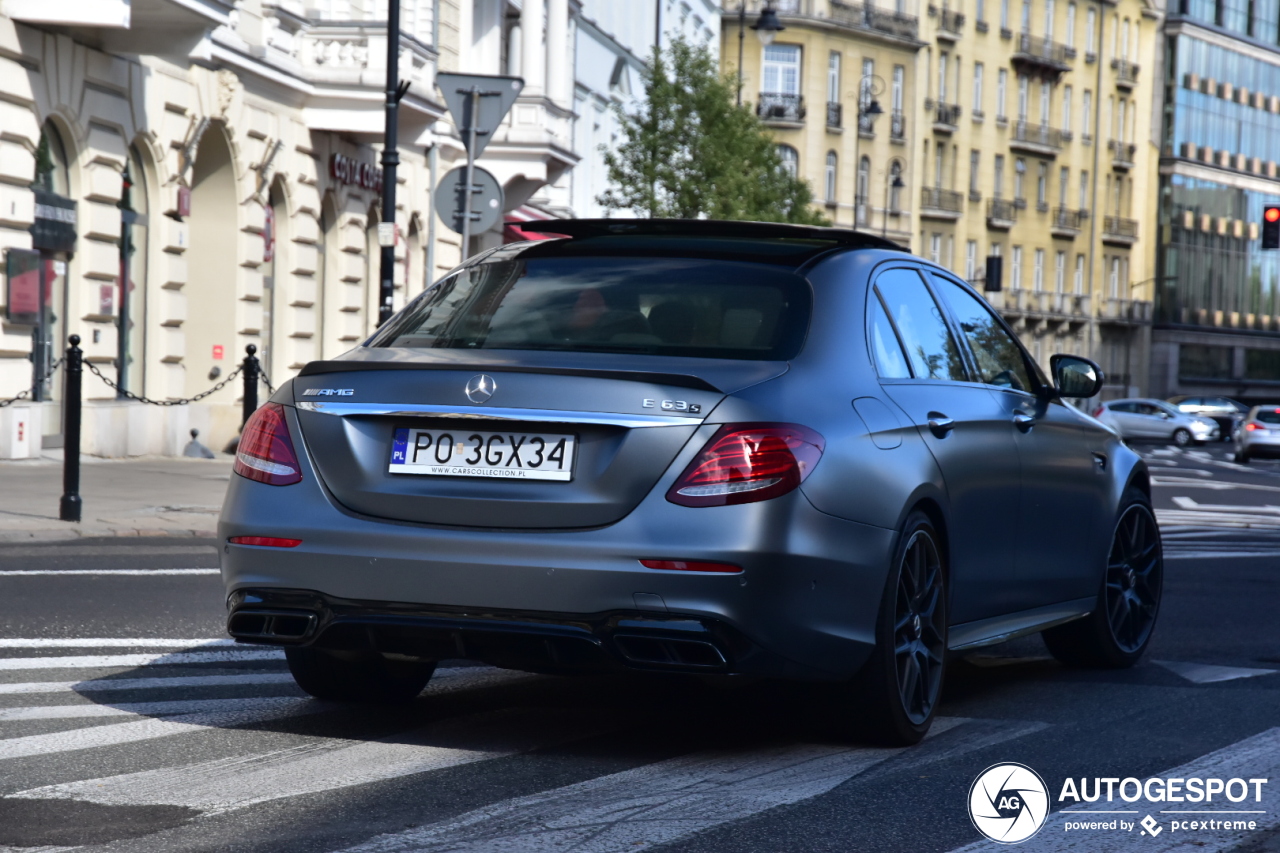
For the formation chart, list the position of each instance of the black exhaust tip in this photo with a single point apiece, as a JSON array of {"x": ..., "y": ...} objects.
[
  {"x": 667, "y": 652},
  {"x": 271, "y": 626}
]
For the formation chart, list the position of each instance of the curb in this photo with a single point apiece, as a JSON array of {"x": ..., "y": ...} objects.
[{"x": 64, "y": 534}]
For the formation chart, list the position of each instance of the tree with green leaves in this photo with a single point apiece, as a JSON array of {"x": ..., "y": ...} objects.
[{"x": 691, "y": 153}]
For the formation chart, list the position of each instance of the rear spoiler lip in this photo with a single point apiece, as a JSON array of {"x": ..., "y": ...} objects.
[{"x": 681, "y": 380}]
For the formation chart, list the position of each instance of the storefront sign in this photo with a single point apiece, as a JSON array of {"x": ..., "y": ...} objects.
[
  {"x": 22, "y": 296},
  {"x": 184, "y": 202},
  {"x": 107, "y": 300},
  {"x": 54, "y": 228},
  {"x": 217, "y": 352},
  {"x": 345, "y": 170}
]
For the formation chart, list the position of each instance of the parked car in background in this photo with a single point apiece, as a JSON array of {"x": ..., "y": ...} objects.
[
  {"x": 1156, "y": 419},
  {"x": 1224, "y": 411},
  {"x": 1258, "y": 433}
]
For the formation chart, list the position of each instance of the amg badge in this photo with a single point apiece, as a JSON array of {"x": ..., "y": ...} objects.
[{"x": 328, "y": 392}]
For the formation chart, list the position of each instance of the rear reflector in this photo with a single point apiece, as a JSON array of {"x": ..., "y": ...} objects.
[
  {"x": 265, "y": 541},
  {"x": 266, "y": 452},
  {"x": 743, "y": 463},
  {"x": 691, "y": 566}
]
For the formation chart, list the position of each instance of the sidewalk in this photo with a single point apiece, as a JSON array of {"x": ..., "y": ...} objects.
[{"x": 148, "y": 496}]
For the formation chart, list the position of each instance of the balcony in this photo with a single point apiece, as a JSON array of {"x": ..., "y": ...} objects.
[
  {"x": 950, "y": 24},
  {"x": 946, "y": 117},
  {"x": 1037, "y": 55},
  {"x": 1121, "y": 154},
  {"x": 867, "y": 126},
  {"x": 781, "y": 110},
  {"x": 1067, "y": 222},
  {"x": 1001, "y": 214},
  {"x": 1124, "y": 312},
  {"x": 1071, "y": 310},
  {"x": 1126, "y": 74},
  {"x": 835, "y": 111},
  {"x": 1118, "y": 231},
  {"x": 874, "y": 19},
  {"x": 937, "y": 203},
  {"x": 1035, "y": 139},
  {"x": 897, "y": 126}
]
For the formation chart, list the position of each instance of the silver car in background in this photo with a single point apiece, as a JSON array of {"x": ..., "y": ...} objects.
[
  {"x": 1258, "y": 435},
  {"x": 1223, "y": 411},
  {"x": 705, "y": 448},
  {"x": 1155, "y": 419}
]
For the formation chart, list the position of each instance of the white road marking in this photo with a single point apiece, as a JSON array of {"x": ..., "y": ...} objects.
[
  {"x": 12, "y": 573},
  {"x": 109, "y": 643},
  {"x": 1215, "y": 485},
  {"x": 110, "y": 684},
  {"x": 327, "y": 764},
  {"x": 1257, "y": 757},
  {"x": 1217, "y": 555},
  {"x": 164, "y": 708},
  {"x": 172, "y": 659},
  {"x": 1204, "y": 673},
  {"x": 657, "y": 803}
]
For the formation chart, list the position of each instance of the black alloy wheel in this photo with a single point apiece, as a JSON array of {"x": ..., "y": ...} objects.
[
  {"x": 1134, "y": 578},
  {"x": 919, "y": 629}
]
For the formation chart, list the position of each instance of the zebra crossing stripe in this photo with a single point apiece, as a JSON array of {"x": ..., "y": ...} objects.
[
  {"x": 12, "y": 573},
  {"x": 1255, "y": 757},
  {"x": 326, "y": 764},
  {"x": 112, "y": 643},
  {"x": 662, "y": 802},
  {"x": 170, "y": 708},
  {"x": 183, "y": 658},
  {"x": 99, "y": 685}
]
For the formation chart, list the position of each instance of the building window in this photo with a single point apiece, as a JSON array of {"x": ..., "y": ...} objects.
[
  {"x": 1197, "y": 361},
  {"x": 1091, "y": 31},
  {"x": 1084, "y": 190},
  {"x": 996, "y": 249},
  {"x": 864, "y": 188},
  {"x": 980, "y": 11},
  {"x": 1004, "y": 14},
  {"x": 998, "y": 183},
  {"x": 781, "y": 74},
  {"x": 977, "y": 87},
  {"x": 1019, "y": 172},
  {"x": 1071, "y": 25},
  {"x": 935, "y": 248},
  {"x": 899, "y": 77},
  {"x": 1113, "y": 280},
  {"x": 895, "y": 191},
  {"x": 1086, "y": 115},
  {"x": 1015, "y": 268},
  {"x": 1002, "y": 84},
  {"x": 1060, "y": 272},
  {"x": 1038, "y": 272},
  {"x": 1024, "y": 86},
  {"x": 790, "y": 160},
  {"x": 1066, "y": 108},
  {"x": 1046, "y": 102},
  {"x": 1048, "y": 18},
  {"x": 1079, "y": 277},
  {"x": 1042, "y": 184},
  {"x": 974, "y": 156},
  {"x": 939, "y": 156},
  {"x": 971, "y": 261},
  {"x": 833, "y": 77},
  {"x": 942, "y": 77},
  {"x": 831, "y": 177},
  {"x": 1064, "y": 177},
  {"x": 1026, "y": 16}
]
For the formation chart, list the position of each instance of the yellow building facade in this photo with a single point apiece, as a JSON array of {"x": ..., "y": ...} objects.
[{"x": 1021, "y": 129}]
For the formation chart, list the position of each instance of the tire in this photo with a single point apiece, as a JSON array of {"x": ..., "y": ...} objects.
[
  {"x": 356, "y": 676},
  {"x": 900, "y": 686},
  {"x": 1116, "y": 634},
  {"x": 1242, "y": 457},
  {"x": 1182, "y": 437}
]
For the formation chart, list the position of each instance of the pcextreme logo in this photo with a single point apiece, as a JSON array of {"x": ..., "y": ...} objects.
[{"x": 1008, "y": 803}]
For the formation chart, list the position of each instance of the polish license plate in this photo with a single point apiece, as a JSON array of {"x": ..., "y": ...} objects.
[{"x": 466, "y": 453}]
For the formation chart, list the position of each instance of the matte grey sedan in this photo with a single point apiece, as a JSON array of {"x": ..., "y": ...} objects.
[{"x": 720, "y": 449}]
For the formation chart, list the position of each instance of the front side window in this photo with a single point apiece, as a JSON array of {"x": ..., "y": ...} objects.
[
  {"x": 655, "y": 305},
  {"x": 930, "y": 347},
  {"x": 996, "y": 354}
]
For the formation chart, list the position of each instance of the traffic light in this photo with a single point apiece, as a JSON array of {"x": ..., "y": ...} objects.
[{"x": 1271, "y": 226}]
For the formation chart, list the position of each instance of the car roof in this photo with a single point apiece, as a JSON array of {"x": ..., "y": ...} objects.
[{"x": 585, "y": 229}]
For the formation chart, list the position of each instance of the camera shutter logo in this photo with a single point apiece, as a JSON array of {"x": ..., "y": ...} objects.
[{"x": 1008, "y": 803}]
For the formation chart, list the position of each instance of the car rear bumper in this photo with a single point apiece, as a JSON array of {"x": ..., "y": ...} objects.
[
  {"x": 804, "y": 605},
  {"x": 1261, "y": 445}
]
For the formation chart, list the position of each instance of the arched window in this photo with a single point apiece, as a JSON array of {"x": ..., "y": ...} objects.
[
  {"x": 790, "y": 159},
  {"x": 51, "y": 162},
  {"x": 864, "y": 187},
  {"x": 831, "y": 177},
  {"x": 895, "y": 186}
]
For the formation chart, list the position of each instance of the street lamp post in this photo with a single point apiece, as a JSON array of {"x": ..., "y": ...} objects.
[
  {"x": 766, "y": 26},
  {"x": 868, "y": 87},
  {"x": 896, "y": 184}
]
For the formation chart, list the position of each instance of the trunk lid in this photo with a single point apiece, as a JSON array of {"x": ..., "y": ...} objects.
[{"x": 628, "y": 416}]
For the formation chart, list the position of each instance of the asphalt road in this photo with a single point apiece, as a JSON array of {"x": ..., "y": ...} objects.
[{"x": 126, "y": 724}]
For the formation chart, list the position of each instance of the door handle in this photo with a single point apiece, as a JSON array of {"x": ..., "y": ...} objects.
[
  {"x": 940, "y": 424},
  {"x": 1024, "y": 422}
]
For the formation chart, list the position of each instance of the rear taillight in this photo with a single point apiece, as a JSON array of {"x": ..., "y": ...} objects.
[
  {"x": 743, "y": 463},
  {"x": 1098, "y": 411},
  {"x": 1251, "y": 427},
  {"x": 265, "y": 541},
  {"x": 691, "y": 566},
  {"x": 266, "y": 452}
]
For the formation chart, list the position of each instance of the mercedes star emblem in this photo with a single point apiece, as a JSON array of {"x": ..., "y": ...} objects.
[{"x": 481, "y": 388}]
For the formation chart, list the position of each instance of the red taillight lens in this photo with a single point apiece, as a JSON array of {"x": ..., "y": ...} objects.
[
  {"x": 743, "y": 463},
  {"x": 266, "y": 451},
  {"x": 265, "y": 541},
  {"x": 691, "y": 566},
  {"x": 1251, "y": 427},
  {"x": 1097, "y": 411}
]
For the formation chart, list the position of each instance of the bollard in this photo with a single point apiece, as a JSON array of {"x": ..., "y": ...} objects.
[
  {"x": 69, "y": 509},
  {"x": 250, "y": 370}
]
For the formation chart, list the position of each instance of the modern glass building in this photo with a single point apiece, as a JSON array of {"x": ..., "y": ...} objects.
[{"x": 1217, "y": 310}]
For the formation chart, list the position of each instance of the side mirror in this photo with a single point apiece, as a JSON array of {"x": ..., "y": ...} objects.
[{"x": 1074, "y": 376}]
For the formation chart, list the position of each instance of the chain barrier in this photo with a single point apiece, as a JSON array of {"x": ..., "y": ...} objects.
[
  {"x": 43, "y": 379},
  {"x": 265, "y": 381},
  {"x": 141, "y": 399}
]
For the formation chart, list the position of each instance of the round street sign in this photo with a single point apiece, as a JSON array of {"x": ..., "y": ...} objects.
[{"x": 486, "y": 200}]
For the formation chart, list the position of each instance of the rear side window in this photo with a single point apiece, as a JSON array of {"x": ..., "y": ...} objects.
[
  {"x": 928, "y": 341},
  {"x": 653, "y": 306},
  {"x": 891, "y": 363},
  {"x": 1121, "y": 407},
  {"x": 997, "y": 355},
  {"x": 1268, "y": 417}
]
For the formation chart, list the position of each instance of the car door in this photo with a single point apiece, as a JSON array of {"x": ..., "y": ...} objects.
[
  {"x": 1063, "y": 487},
  {"x": 1150, "y": 422},
  {"x": 969, "y": 437},
  {"x": 1124, "y": 416}
]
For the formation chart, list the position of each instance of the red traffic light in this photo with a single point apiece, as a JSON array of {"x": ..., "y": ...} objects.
[{"x": 1271, "y": 214}]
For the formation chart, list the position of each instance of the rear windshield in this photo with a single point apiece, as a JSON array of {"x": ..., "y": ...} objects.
[
  {"x": 653, "y": 306},
  {"x": 1268, "y": 417}
]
